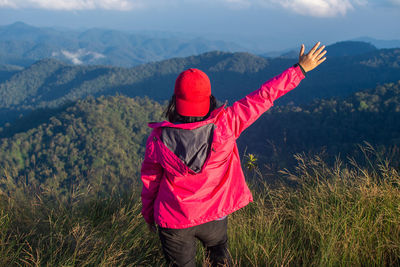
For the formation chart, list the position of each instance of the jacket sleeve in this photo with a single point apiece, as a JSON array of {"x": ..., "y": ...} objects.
[
  {"x": 151, "y": 173},
  {"x": 245, "y": 111}
]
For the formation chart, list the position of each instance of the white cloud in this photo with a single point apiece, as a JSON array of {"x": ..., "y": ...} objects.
[
  {"x": 74, "y": 57},
  {"x": 318, "y": 8},
  {"x": 72, "y": 4},
  {"x": 7, "y": 3},
  {"x": 79, "y": 56},
  {"x": 315, "y": 8}
]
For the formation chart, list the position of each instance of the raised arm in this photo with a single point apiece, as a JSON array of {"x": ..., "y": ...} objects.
[{"x": 245, "y": 111}]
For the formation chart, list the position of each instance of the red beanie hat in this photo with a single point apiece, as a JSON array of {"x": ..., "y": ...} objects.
[{"x": 192, "y": 93}]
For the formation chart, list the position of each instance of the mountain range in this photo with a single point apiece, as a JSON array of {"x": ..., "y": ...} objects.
[
  {"x": 51, "y": 83},
  {"x": 67, "y": 125},
  {"x": 340, "y": 49},
  {"x": 22, "y": 45},
  {"x": 73, "y": 130}
]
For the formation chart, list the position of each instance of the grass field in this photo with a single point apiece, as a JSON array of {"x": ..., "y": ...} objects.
[{"x": 341, "y": 215}]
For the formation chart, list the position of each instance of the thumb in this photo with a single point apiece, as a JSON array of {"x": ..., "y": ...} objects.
[{"x": 302, "y": 50}]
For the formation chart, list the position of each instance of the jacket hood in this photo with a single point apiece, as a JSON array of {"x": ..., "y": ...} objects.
[{"x": 186, "y": 146}]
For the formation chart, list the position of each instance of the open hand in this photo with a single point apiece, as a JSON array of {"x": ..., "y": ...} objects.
[{"x": 311, "y": 60}]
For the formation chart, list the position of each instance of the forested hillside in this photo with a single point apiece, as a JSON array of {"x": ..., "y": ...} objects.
[
  {"x": 333, "y": 126},
  {"x": 50, "y": 83},
  {"x": 97, "y": 144}
]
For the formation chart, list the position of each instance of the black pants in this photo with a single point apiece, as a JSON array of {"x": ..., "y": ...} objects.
[{"x": 179, "y": 245}]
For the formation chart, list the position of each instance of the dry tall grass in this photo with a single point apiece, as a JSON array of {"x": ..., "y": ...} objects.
[{"x": 345, "y": 215}]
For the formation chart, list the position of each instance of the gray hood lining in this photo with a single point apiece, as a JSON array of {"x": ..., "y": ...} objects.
[{"x": 191, "y": 146}]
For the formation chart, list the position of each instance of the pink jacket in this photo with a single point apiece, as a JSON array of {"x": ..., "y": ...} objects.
[{"x": 191, "y": 172}]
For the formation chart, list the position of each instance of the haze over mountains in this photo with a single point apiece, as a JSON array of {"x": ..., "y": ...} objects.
[{"x": 22, "y": 44}]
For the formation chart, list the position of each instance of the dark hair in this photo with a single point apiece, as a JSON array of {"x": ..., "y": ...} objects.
[{"x": 172, "y": 115}]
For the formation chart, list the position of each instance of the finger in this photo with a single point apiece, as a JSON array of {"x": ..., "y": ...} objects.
[
  {"x": 321, "y": 60},
  {"x": 302, "y": 50},
  {"x": 318, "y": 57},
  {"x": 319, "y": 50},
  {"x": 314, "y": 48}
]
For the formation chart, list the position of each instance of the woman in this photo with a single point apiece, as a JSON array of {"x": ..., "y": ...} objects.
[{"x": 191, "y": 173}]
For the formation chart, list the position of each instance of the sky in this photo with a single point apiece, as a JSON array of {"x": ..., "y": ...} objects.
[{"x": 263, "y": 24}]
